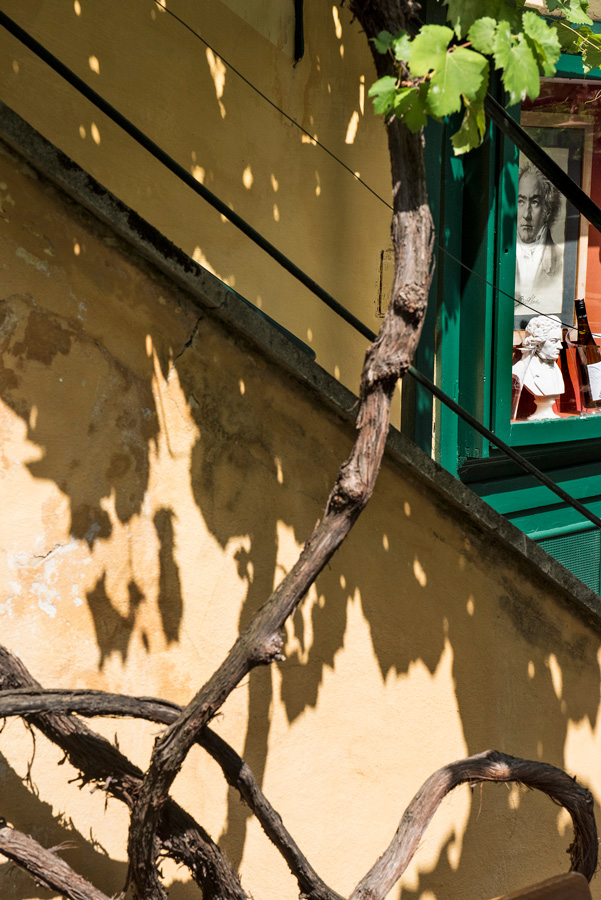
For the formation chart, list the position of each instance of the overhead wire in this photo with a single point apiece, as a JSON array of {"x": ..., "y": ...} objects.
[
  {"x": 341, "y": 162},
  {"x": 268, "y": 100}
]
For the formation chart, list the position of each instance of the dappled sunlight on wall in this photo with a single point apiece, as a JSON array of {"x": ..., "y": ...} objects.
[
  {"x": 160, "y": 491},
  {"x": 331, "y": 746},
  {"x": 183, "y": 91},
  {"x": 584, "y": 738}
]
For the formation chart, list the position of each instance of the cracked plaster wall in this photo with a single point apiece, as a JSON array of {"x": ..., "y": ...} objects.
[{"x": 158, "y": 475}]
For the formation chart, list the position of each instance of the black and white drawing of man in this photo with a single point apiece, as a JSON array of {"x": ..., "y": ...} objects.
[{"x": 539, "y": 259}]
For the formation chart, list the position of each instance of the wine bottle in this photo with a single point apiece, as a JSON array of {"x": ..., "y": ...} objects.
[
  {"x": 569, "y": 402},
  {"x": 589, "y": 357}
]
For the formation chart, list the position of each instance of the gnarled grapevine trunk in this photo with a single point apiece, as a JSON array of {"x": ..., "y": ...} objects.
[{"x": 386, "y": 361}]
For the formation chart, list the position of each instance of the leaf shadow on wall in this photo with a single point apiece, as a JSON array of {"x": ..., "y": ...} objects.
[
  {"x": 96, "y": 435},
  {"x": 94, "y": 431},
  {"x": 260, "y": 475},
  {"x": 169, "y": 600},
  {"x": 113, "y": 628},
  {"x": 28, "y": 813},
  {"x": 525, "y": 680},
  {"x": 244, "y": 479}
]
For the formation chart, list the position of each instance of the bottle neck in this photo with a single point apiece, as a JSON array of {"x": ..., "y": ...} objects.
[{"x": 584, "y": 330}]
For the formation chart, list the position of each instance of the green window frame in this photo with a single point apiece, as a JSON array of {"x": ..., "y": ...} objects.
[
  {"x": 524, "y": 433},
  {"x": 469, "y": 326}
]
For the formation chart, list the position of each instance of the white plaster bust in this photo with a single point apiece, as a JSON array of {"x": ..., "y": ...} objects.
[{"x": 538, "y": 370}]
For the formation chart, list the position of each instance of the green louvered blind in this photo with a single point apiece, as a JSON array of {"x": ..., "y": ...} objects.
[{"x": 580, "y": 553}]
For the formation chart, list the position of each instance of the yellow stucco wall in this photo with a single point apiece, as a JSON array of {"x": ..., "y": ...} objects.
[
  {"x": 158, "y": 476},
  {"x": 191, "y": 102}
]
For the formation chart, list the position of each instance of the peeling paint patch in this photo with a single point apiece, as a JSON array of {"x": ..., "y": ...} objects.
[
  {"x": 44, "y": 601},
  {"x": 17, "y": 559},
  {"x": 6, "y": 609},
  {"x": 32, "y": 260}
]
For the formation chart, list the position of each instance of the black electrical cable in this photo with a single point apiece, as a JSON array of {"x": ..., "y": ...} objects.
[
  {"x": 263, "y": 96},
  {"x": 505, "y": 448},
  {"x": 237, "y": 220},
  {"x": 141, "y": 138},
  {"x": 323, "y": 147},
  {"x": 560, "y": 179}
]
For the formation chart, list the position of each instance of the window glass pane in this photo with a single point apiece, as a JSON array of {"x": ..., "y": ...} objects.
[{"x": 558, "y": 258}]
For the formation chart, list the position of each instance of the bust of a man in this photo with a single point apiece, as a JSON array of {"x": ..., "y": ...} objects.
[{"x": 538, "y": 370}]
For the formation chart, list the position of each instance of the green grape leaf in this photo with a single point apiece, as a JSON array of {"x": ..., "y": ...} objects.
[
  {"x": 410, "y": 106},
  {"x": 481, "y": 34},
  {"x": 403, "y": 100},
  {"x": 508, "y": 12},
  {"x": 383, "y": 92},
  {"x": 574, "y": 10},
  {"x": 463, "y": 72},
  {"x": 502, "y": 44},
  {"x": 521, "y": 76},
  {"x": 591, "y": 57},
  {"x": 429, "y": 49},
  {"x": 463, "y": 13},
  {"x": 472, "y": 129},
  {"x": 401, "y": 46},
  {"x": 570, "y": 39},
  {"x": 383, "y": 42},
  {"x": 544, "y": 41}
]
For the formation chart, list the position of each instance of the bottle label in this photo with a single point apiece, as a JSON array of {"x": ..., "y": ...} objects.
[{"x": 594, "y": 377}]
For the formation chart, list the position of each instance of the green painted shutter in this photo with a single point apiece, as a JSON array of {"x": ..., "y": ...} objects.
[{"x": 580, "y": 553}]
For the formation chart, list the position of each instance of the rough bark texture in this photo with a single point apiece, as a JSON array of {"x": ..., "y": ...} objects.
[
  {"x": 386, "y": 361},
  {"x": 489, "y": 766},
  {"x": 31, "y": 701},
  {"x": 102, "y": 764},
  {"x": 45, "y": 867}
]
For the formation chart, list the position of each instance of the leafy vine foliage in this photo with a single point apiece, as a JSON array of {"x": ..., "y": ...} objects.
[{"x": 443, "y": 69}]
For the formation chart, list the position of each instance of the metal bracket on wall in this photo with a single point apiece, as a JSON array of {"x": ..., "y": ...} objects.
[{"x": 299, "y": 31}]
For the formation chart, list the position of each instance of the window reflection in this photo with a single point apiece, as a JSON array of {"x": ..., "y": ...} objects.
[{"x": 558, "y": 255}]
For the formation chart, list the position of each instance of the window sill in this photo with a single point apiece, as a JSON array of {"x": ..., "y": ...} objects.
[{"x": 579, "y": 428}]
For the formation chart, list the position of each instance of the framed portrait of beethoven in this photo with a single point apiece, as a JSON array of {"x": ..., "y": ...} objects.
[{"x": 551, "y": 239}]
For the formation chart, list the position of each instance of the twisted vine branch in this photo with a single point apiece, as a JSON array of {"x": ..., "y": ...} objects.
[
  {"x": 29, "y": 701},
  {"x": 44, "y": 866},
  {"x": 489, "y": 766},
  {"x": 102, "y": 764}
]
